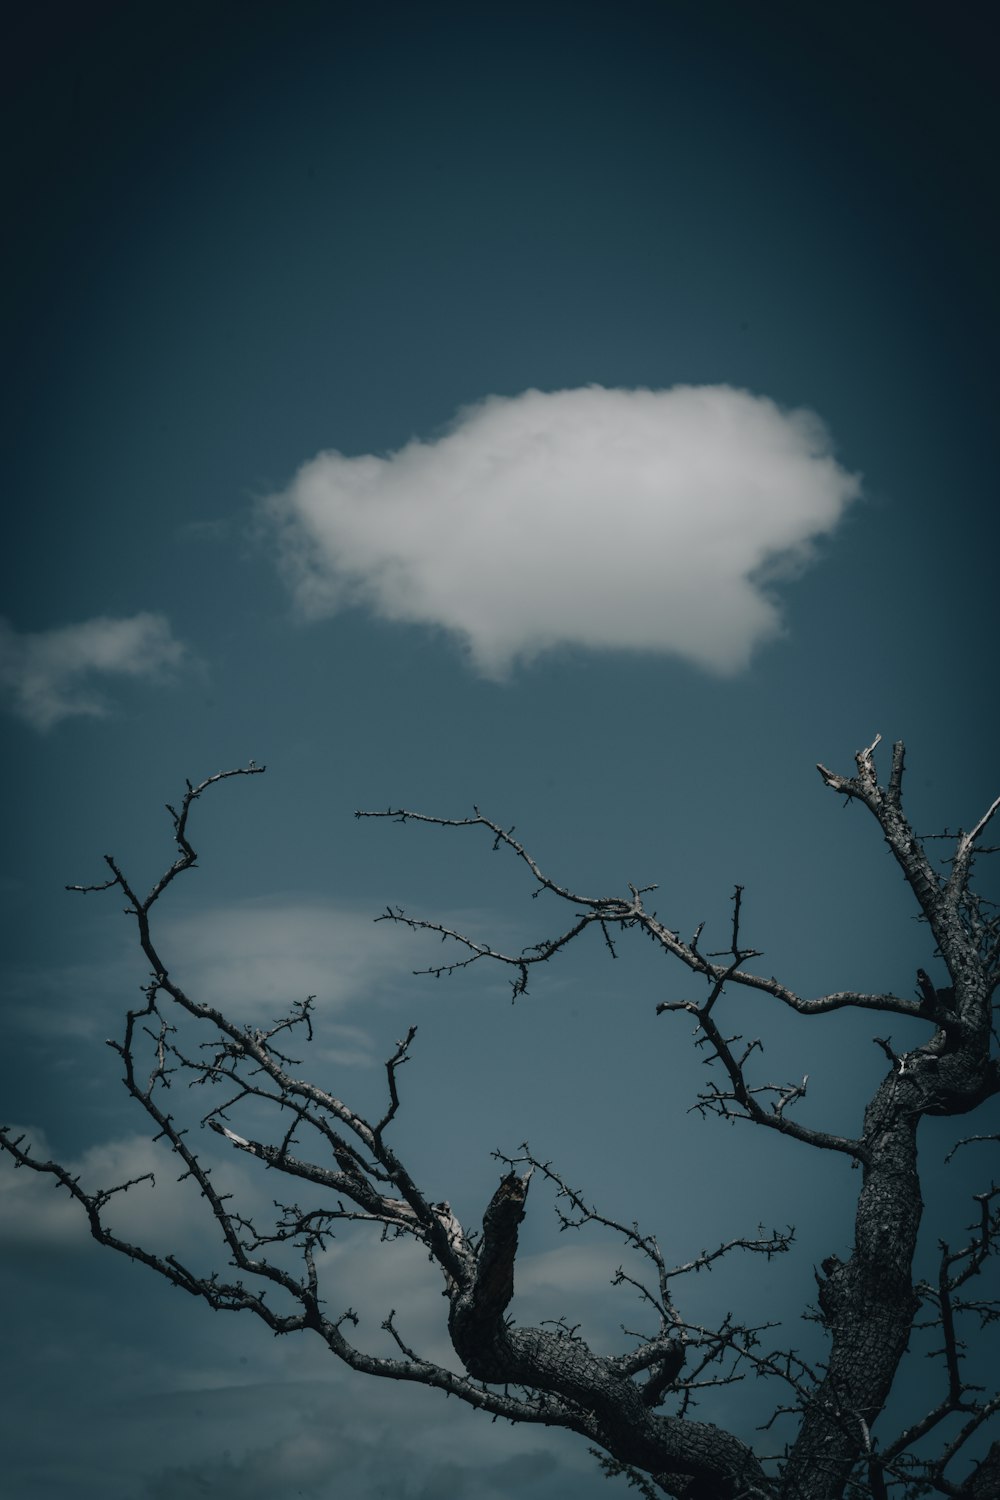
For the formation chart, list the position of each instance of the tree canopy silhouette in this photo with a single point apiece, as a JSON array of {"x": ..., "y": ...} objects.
[{"x": 636, "y": 1407}]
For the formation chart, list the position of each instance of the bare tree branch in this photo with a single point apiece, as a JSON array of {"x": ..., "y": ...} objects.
[{"x": 636, "y": 1405}]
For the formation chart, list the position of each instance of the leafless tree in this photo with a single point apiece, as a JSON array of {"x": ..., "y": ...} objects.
[{"x": 635, "y": 1408}]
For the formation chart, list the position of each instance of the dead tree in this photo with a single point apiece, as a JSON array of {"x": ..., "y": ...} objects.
[{"x": 635, "y": 1408}]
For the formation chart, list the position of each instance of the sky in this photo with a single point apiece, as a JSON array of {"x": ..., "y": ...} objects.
[{"x": 585, "y": 412}]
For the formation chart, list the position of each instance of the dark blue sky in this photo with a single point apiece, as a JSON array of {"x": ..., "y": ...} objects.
[{"x": 243, "y": 235}]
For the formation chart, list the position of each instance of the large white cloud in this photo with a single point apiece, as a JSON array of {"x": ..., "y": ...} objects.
[
  {"x": 637, "y": 519},
  {"x": 50, "y": 674}
]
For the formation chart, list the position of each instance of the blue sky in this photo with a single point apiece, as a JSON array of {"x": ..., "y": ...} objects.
[{"x": 583, "y": 411}]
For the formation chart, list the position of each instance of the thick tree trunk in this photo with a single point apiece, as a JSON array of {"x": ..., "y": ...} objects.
[{"x": 868, "y": 1306}]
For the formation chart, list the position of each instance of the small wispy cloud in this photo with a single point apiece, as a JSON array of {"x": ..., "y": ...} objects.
[
  {"x": 622, "y": 519},
  {"x": 165, "y": 1210},
  {"x": 253, "y": 960},
  {"x": 49, "y": 675}
]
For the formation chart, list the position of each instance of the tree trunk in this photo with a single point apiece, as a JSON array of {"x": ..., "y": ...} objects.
[{"x": 867, "y": 1304}]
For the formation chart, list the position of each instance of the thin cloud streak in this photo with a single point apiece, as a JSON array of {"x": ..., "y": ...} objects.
[
  {"x": 48, "y": 675},
  {"x": 594, "y": 518},
  {"x": 164, "y": 1212},
  {"x": 253, "y": 960}
]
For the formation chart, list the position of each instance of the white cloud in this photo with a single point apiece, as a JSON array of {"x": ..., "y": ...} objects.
[
  {"x": 636, "y": 519},
  {"x": 255, "y": 959},
  {"x": 251, "y": 959},
  {"x": 48, "y": 675},
  {"x": 36, "y": 1212}
]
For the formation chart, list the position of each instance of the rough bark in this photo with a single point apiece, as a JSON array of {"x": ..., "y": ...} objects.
[
  {"x": 869, "y": 1303},
  {"x": 694, "y": 1459}
]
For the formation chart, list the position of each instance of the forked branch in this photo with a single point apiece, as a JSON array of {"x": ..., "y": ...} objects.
[{"x": 635, "y": 1405}]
